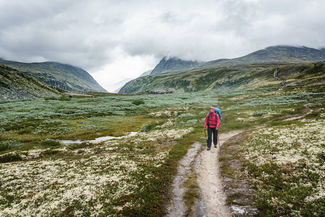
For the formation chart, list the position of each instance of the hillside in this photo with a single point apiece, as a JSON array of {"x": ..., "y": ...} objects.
[
  {"x": 18, "y": 85},
  {"x": 247, "y": 76},
  {"x": 60, "y": 75},
  {"x": 276, "y": 54},
  {"x": 254, "y": 69}
]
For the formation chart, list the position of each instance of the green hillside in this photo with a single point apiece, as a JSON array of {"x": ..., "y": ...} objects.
[
  {"x": 247, "y": 76},
  {"x": 60, "y": 75},
  {"x": 274, "y": 54},
  {"x": 253, "y": 70},
  {"x": 18, "y": 85}
]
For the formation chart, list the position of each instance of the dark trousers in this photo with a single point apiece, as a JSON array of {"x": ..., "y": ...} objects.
[{"x": 214, "y": 132}]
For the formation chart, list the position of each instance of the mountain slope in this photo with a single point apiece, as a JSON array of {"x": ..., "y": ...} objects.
[
  {"x": 18, "y": 85},
  {"x": 284, "y": 54},
  {"x": 60, "y": 75},
  {"x": 173, "y": 64},
  {"x": 227, "y": 73},
  {"x": 246, "y": 76},
  {"x": 275, "y": 54}
]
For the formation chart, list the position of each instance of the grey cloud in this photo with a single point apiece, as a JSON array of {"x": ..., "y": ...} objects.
[{"x": 86, "y": 33}]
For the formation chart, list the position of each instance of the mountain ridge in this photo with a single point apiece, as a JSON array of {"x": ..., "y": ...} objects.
[
  {"x": 64, "y": 76},
  {"x": 171, "y": 64},
  {"x": 18, "y": 85},
  {"x": 184, "y": 80}
]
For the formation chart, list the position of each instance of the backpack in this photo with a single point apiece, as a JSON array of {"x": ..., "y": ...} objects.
[{"x": 217, "y": 110}]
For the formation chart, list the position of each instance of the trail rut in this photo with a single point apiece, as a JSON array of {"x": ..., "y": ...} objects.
[{"x": 177, "y": 206}]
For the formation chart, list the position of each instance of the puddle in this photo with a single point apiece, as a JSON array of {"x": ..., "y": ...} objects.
[{"x": 99, "y": 139}]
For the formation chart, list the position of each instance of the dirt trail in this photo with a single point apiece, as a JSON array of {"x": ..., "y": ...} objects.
[
  {"x": 306, "y": 111},
  {"x": 177, "y": 206},
  {"x": 210, "y": 182}
]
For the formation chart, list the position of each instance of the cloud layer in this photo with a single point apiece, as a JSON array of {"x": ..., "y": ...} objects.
[{"x": 115, "y": 40}]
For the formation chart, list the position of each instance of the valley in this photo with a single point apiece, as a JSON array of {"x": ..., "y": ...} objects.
[{"x": 271, "y": 162}]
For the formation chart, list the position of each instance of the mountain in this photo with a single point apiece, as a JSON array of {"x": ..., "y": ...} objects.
[
  {"x": 18, "y": 85},
  {"x": 275, "y": 54},
  {"x": 60, "y": 75},
  {"x": 284, "y": 54},
  {"x": 270, "y": 54},
  {"x": 239, "y": 72},
  {"x": 240, "y": 77},
  {"x": 173, "y": 64},
  {"x": 146, "y": 73}
]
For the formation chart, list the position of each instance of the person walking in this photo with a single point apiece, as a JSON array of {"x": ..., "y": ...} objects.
[{"x": 212, "y": 122}]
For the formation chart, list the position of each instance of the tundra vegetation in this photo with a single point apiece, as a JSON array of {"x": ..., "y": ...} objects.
[{"x": 281, "y": 155}]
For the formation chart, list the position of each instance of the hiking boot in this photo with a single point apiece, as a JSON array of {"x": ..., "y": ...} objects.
[
  {"x": 215, "y": 146},
  {"x": 208, "y": 149}
]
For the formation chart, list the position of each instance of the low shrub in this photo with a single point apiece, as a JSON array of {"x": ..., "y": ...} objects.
[
  {"x": 10, "y": 157},
  {"x": 65, "y": 98},
  {"x": 50, "y": 143},
  {"x": 138, "y": 102},
  {"x": 149, "y": 127},
  {"x": 4, "y": 145},
  {"x": 50, "y": 152}
]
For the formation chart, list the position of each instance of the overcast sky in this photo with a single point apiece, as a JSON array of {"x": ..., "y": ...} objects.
[{"x": 119, "y": 39}]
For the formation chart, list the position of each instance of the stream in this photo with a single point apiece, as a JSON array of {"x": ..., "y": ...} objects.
[{"x": 99, "y": 139}]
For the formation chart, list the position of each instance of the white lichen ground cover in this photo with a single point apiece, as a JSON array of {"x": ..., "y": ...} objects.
[
  {"x": 286, "y": 164},
  {"x": 98, "y": 179}
]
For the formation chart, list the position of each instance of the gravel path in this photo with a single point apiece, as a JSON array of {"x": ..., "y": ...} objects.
[
  {"x": 213, "y": 199},
  {"x": 210, "y": 182}
]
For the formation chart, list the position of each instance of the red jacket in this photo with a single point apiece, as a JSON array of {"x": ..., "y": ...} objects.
[{"x": 212, "y": 119}]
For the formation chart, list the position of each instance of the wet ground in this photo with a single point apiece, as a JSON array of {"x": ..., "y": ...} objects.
[{"x": 99, "y": 139}]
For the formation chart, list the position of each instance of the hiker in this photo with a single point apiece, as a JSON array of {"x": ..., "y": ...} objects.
[{"x": 212, "y": 121}]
